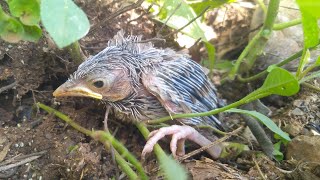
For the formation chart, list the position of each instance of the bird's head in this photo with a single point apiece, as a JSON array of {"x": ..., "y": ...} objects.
[{"x": 96, "y": 79}]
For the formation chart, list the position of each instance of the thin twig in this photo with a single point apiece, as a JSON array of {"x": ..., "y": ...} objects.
[
  {"x": 203, "y": 148},
  {"x": 23, "y": 161},
  {"x": 152, "y": 40},
  {"x": 259, "y": 170},
  {"x": 165, "y": 23},
  {"x": 144, "y": 13},
  {"x": 10, "y": 86},
  {"x": 178, "y": 30},
  {"x": 119, "y": 12},
  {"x": 310, "y": 86}
]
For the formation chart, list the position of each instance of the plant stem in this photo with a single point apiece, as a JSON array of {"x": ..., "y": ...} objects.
[
  {"x": 257, "y": 44},
  {"x": 145, "y": 132},
  {"x": 103, "y": 137},
  {"x": 264, "y": 72},
  {"x": 262, "y": 5},
  {"x": 257, "y": 94},
  {"x": 242, "y": 56},
  {"x": 284, "y": 25},
  {"x": 75, "y": 52},
  {"x": 125, "y": 167}
]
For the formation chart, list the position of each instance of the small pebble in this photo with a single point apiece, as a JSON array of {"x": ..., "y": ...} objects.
[
  {"x": 298, "y": 103},
  {"x": 21, "y": 144},
  {"x": 297, "y": 112}
]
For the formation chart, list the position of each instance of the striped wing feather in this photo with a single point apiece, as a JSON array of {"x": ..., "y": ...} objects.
[{"x": 182, "y": 87}]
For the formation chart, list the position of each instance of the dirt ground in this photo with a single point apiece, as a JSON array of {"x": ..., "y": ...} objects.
[{"x": 41, "y": 146}]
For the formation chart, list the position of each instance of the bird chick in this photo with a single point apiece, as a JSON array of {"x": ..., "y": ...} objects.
[{"x": 141, "y": 82}]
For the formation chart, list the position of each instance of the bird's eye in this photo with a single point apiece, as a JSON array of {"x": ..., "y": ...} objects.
[{"x": 98, "y": 84}]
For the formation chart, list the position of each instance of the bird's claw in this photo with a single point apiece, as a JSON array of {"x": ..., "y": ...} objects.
[{"x": 179, "y": 135}]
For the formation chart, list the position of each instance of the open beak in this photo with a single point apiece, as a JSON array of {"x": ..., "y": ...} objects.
[{"x": 75, "y": 90}]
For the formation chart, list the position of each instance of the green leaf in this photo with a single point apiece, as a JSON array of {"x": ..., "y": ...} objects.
[
  {"x": 264, "y": 120},
  {"x": 223, "y": 65},
  {"x": 281, "y": 82},
  {"x": 64, "y": 20},
  {"x": 198, "y": 7},
  {"x": 172, "y": 169},
  {"x": 32, "y": 33},
  {"x": 163, "y": 14},
  {"x": 312, "y": 6},
  {"x": 11, "y": 30},
  {"x": 310, "y": 13},
  {"x": 28, "y": 11},
  {"x": 276, "y": 152}
]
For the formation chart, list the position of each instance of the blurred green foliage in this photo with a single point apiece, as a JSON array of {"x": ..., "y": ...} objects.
[{"x": 65, "y": 22}]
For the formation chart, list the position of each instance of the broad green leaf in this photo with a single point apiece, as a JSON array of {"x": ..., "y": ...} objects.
[
  {"x": 312, "y": 6},
  {"x": 11, "y": 30},
  {"x": 303, "y": 62},
  {"x": 200, "y": 6},
  {"x": 264, "y": 120},
  {"x": 310, "y": 13},
  {"x": 64, "y": 20},
  {"x": 28, "y": 11},
  {"x": 32, "y": 33},
  {"x": 172, "y": 169},
  {"x": 281, "y": 82}
]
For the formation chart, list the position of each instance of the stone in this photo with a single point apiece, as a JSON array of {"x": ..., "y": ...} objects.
[{"x": 304, "y": 148}]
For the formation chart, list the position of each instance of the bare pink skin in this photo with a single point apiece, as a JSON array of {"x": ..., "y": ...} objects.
[{"x": 179, "y": 135}]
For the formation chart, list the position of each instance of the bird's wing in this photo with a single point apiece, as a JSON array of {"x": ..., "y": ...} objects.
[{"x": 182, "y": 87}]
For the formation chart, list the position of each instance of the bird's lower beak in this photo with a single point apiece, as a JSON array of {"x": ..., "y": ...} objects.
[{"x": 65, "y": 90}]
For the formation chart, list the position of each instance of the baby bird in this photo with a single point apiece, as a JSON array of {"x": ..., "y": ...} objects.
[{"x": 141, "y": 82}]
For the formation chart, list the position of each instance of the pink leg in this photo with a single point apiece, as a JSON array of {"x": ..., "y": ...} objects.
[{"x": 179, "y": 135}]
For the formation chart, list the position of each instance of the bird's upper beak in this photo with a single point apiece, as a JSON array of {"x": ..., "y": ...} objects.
[{"x": 68, "y": 89}]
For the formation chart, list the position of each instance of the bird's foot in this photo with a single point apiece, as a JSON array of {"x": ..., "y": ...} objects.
[{"x": 179, "y": 135}]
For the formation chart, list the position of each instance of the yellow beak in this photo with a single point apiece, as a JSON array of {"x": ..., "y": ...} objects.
[{"x": 76, "y": 90}]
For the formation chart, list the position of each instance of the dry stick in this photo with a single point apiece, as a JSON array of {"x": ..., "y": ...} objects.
[
  {"x": 151, "y": 40},
  {"x": 165, "y": 23},
  {"x": 119, "y": 12},
  {"x": 28, "y": 158},
  {"x": 178, "y": 30},
  {"x": 310, "y": 86},
  {"x": 211, "y": 144},
  {"x": 259, "y": 170},
  {"x": 10, "y": 86}
]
